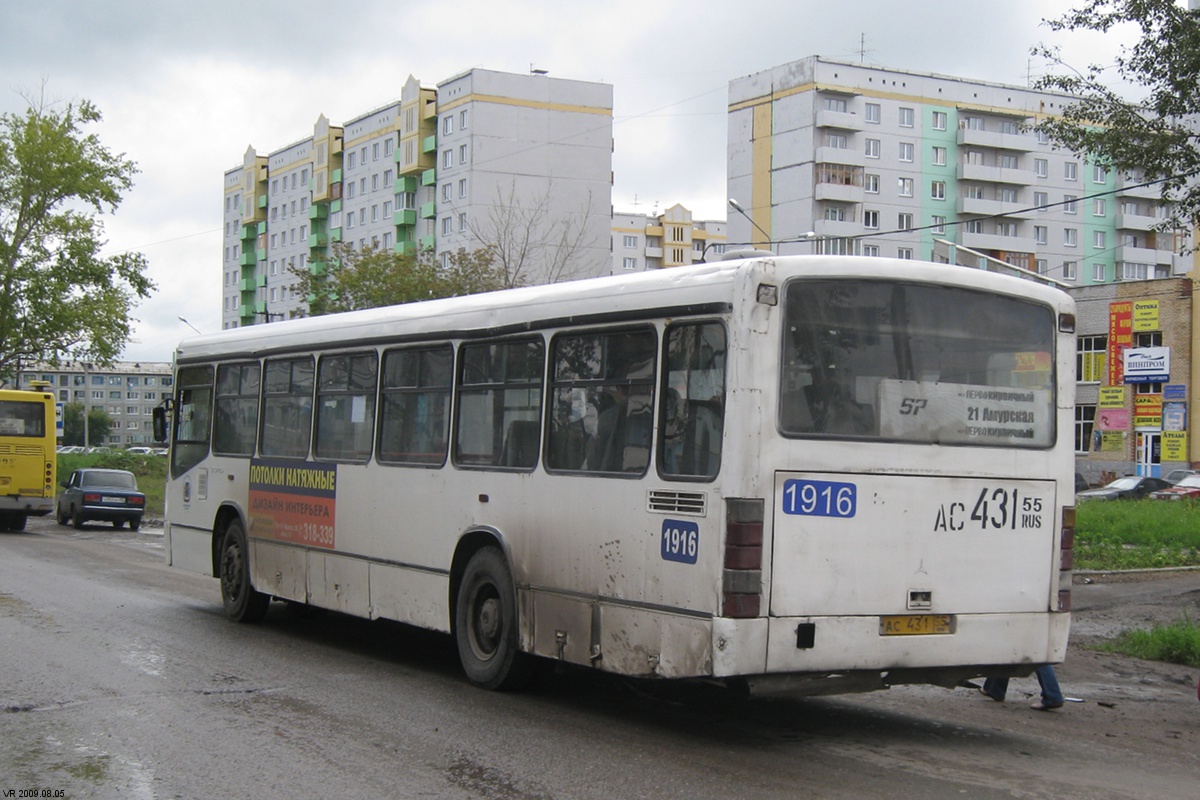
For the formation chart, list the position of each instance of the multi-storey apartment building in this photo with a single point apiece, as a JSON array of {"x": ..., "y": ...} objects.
[
  {"x": 440, "y": 169},
  {"x": 127, "y": 391},
  {"x": 838, "y": 157},
  {"x": 670, "y": 239}
]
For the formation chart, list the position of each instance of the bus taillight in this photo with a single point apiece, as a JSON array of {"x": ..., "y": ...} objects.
[
  {"x": 1066, "y": 559},
  {"x": 742, "y": 574}
]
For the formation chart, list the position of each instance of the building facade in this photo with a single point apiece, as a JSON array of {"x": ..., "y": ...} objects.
[
  {"x": 459, "y": 166},
  {"x": 670, "y": 239},
  {"x": 127, "y": 391},
  {"x": 837, "y": 157}
]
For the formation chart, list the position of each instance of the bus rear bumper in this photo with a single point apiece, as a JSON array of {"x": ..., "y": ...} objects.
[{"x": 30, "y": 506}]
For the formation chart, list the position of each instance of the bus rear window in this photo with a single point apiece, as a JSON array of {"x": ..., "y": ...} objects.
[
  {"x": 916, "y": 363},
  {"x": 22, "y": 419}
]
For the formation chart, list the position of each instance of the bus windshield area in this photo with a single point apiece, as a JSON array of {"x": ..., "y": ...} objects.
[
  {"x": 19, "y": 418},
  {"x": 912, "y": 362}
]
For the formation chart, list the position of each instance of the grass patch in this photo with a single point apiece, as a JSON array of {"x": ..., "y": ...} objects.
[
  {"x": 151, "y": 472},
  {"x": 1137, "y": 534},
  {"x": 1177, "y": 644}
]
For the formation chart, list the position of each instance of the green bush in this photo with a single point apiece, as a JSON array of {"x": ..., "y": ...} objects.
[{"x": 151, "y": 472}]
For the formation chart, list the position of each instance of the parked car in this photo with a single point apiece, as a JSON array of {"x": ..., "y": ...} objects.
[
  {"x": 70, "y": 448},
  {"x": 1081, "y": 482},
  {"x": 140, "y": 450},
  {"x": 1176, "y": 475},
  {"x": 1128, "y": 488},
  {"x": 108, "y": 495},
  {"x": 1186, "y": 489}
]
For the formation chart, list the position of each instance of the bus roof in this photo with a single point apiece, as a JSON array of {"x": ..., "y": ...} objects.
[{"x": 677, "y": 291}]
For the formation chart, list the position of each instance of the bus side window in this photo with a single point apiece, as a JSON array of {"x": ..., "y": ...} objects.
[
  {"x": 499, "y": 384},
  {"x": 693, "y": 410},
  {"x": 602, "y": 396}
]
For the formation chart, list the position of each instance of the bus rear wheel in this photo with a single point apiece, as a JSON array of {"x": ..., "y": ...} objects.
[
  {"x": 243, "y": 603},
  {"x": 485, "y": 624}
]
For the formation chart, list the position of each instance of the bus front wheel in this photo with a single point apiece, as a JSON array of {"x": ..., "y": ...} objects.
[
  {"x": 243, "y": 603},
  {"x": 485, "y": 624}
]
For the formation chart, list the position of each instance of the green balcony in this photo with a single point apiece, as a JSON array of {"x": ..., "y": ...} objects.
[
  {"x": 429, "y": 144},
  {"x": 247, "y": 258},
  {"x": 405, "y": 183},
  {"x": 335, "y": 206},
  {"x": 318, "y": 211},
  {"x": 319, "y": 239},
  {"x": 405, "y": 248},
  {"x": 260, "y": 254},
  {"x": 260, "y": 281},
  {"x": 262, "y": 227},
  {"x": 335, "y": 176},
  {"x": 428, "y": 242},
  {"x": 405, "y": 216},
  {"x": 250, "y": 230},
  {"x": 429, "y": 177},
  {"x": 429, "y": 210},
  {"x": 247, "y": 284},
  {"x": 246, "y": 313},
  {"x": 262, "y": 201},
  {"x": 317, "y": 268},
  {"x": 335, "y": 235}
]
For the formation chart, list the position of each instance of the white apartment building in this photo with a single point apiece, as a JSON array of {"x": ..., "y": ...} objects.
[
  {"x": 829, "y": 156},
  {"x": 670, "y": 239},
  {"x": 127, "y": 391},
  {"x": 439, "y": 169}
]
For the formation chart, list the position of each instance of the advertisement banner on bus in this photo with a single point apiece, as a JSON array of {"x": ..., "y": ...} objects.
[{"x": 292, "y": 502}]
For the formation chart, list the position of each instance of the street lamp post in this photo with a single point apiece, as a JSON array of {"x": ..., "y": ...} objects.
[{"x": 738, "y": 208}]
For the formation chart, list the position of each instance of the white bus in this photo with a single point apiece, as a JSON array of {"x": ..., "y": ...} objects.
[{"x": 818, "y": 474}]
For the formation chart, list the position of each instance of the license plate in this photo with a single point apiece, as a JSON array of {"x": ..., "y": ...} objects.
[
  {"x": 916, "y": 624},
  {"x": 120, "y": 501}
]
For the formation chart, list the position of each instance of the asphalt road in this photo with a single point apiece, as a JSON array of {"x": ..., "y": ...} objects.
[{"x": 120, "y": 678}]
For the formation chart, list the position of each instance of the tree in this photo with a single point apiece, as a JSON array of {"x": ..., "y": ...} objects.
[
  {"x": 372, "y": 278},
  {"x": 531, "y": 242},
  {"x": 57, "y": 293},
  {"x": 1156, "y": 138},
  {"x": 99, "y": 424}
]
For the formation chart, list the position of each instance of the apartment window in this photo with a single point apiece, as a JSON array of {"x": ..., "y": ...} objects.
[
  {"x": 939, "y": 120},
  {"x": 871, "y": 184},
  {"x": 447, "y": 192},
  {"x": 1008, "y": 162},
  {"x": 835, "y": 140},
  {"x": 871, "y": 220},
  {"x": 937, "y": 190},
  {"x": 462, "y": 120},
  {"x": 462, "y": 221},
  {"x": 629, "y": 262},
  {"x": 1099, "y": 207},
  {"x": 872, "y": 148},
  {"x": 374, "y": 183},
  {"x": 1071, "y": 170},
  {"x": 835, "y": 104},
  {"x": 907, "y": 117},
  {"x": 1098, "y": 240},
  {"x": 447, "y": 225},
  {"x": 1069, "y": 203},
  {"x": 375, "y": 151},
  {"x": 904, "y": 252},
  {"x": 1041, "y": 136},
  {"x": 939, "y": 223},
  {"x": 1040, "y": 266},
  {"x": 972, "y": 123},
  {"x": 1006, "y": 228},
  {"x": 447, "y": 159},
  {"x": 975, "y": 158},
  {"x": 462, "y": 154},
  {"x": 1009, "y": 127},
  {"x": 1068, "y": 270},
  {"x": 1041, "y": 200},
  {"x": 1040, "y": 232},
  {"x": 389, "y": 146},
  {"x": 904, "y": 221},
  {"x": 974, "y": 226},
  {"x": 1085, "y": 420},
  {"x": 630, "y": 242},
  {"x": 1099, "y": 174},
  {"x": 1041, "y": 167},
  {"x": 835, "y": 213},
  {"x": 351, "y": 190},
  {"x": 939, "y": 156},
  {"x": 1098, "y": 273},
  {"x": 1070, "y": 237},
  {"x": 462, "y": 188},
  {"x": 871, "y": 250},
  {"x": 974, "y": 192},
  {"x": 1006, "y": 194},
  {"x": 871, "y": 113},
  {"x": 447, "y": 124},
  {"x": 906, "y": 151},
  {"x": 351, "y": 160},
  {"x": 906, "y": 187}
]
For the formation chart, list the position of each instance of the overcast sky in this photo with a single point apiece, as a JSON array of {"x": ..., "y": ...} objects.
[{"x": 185, "y": 88}]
